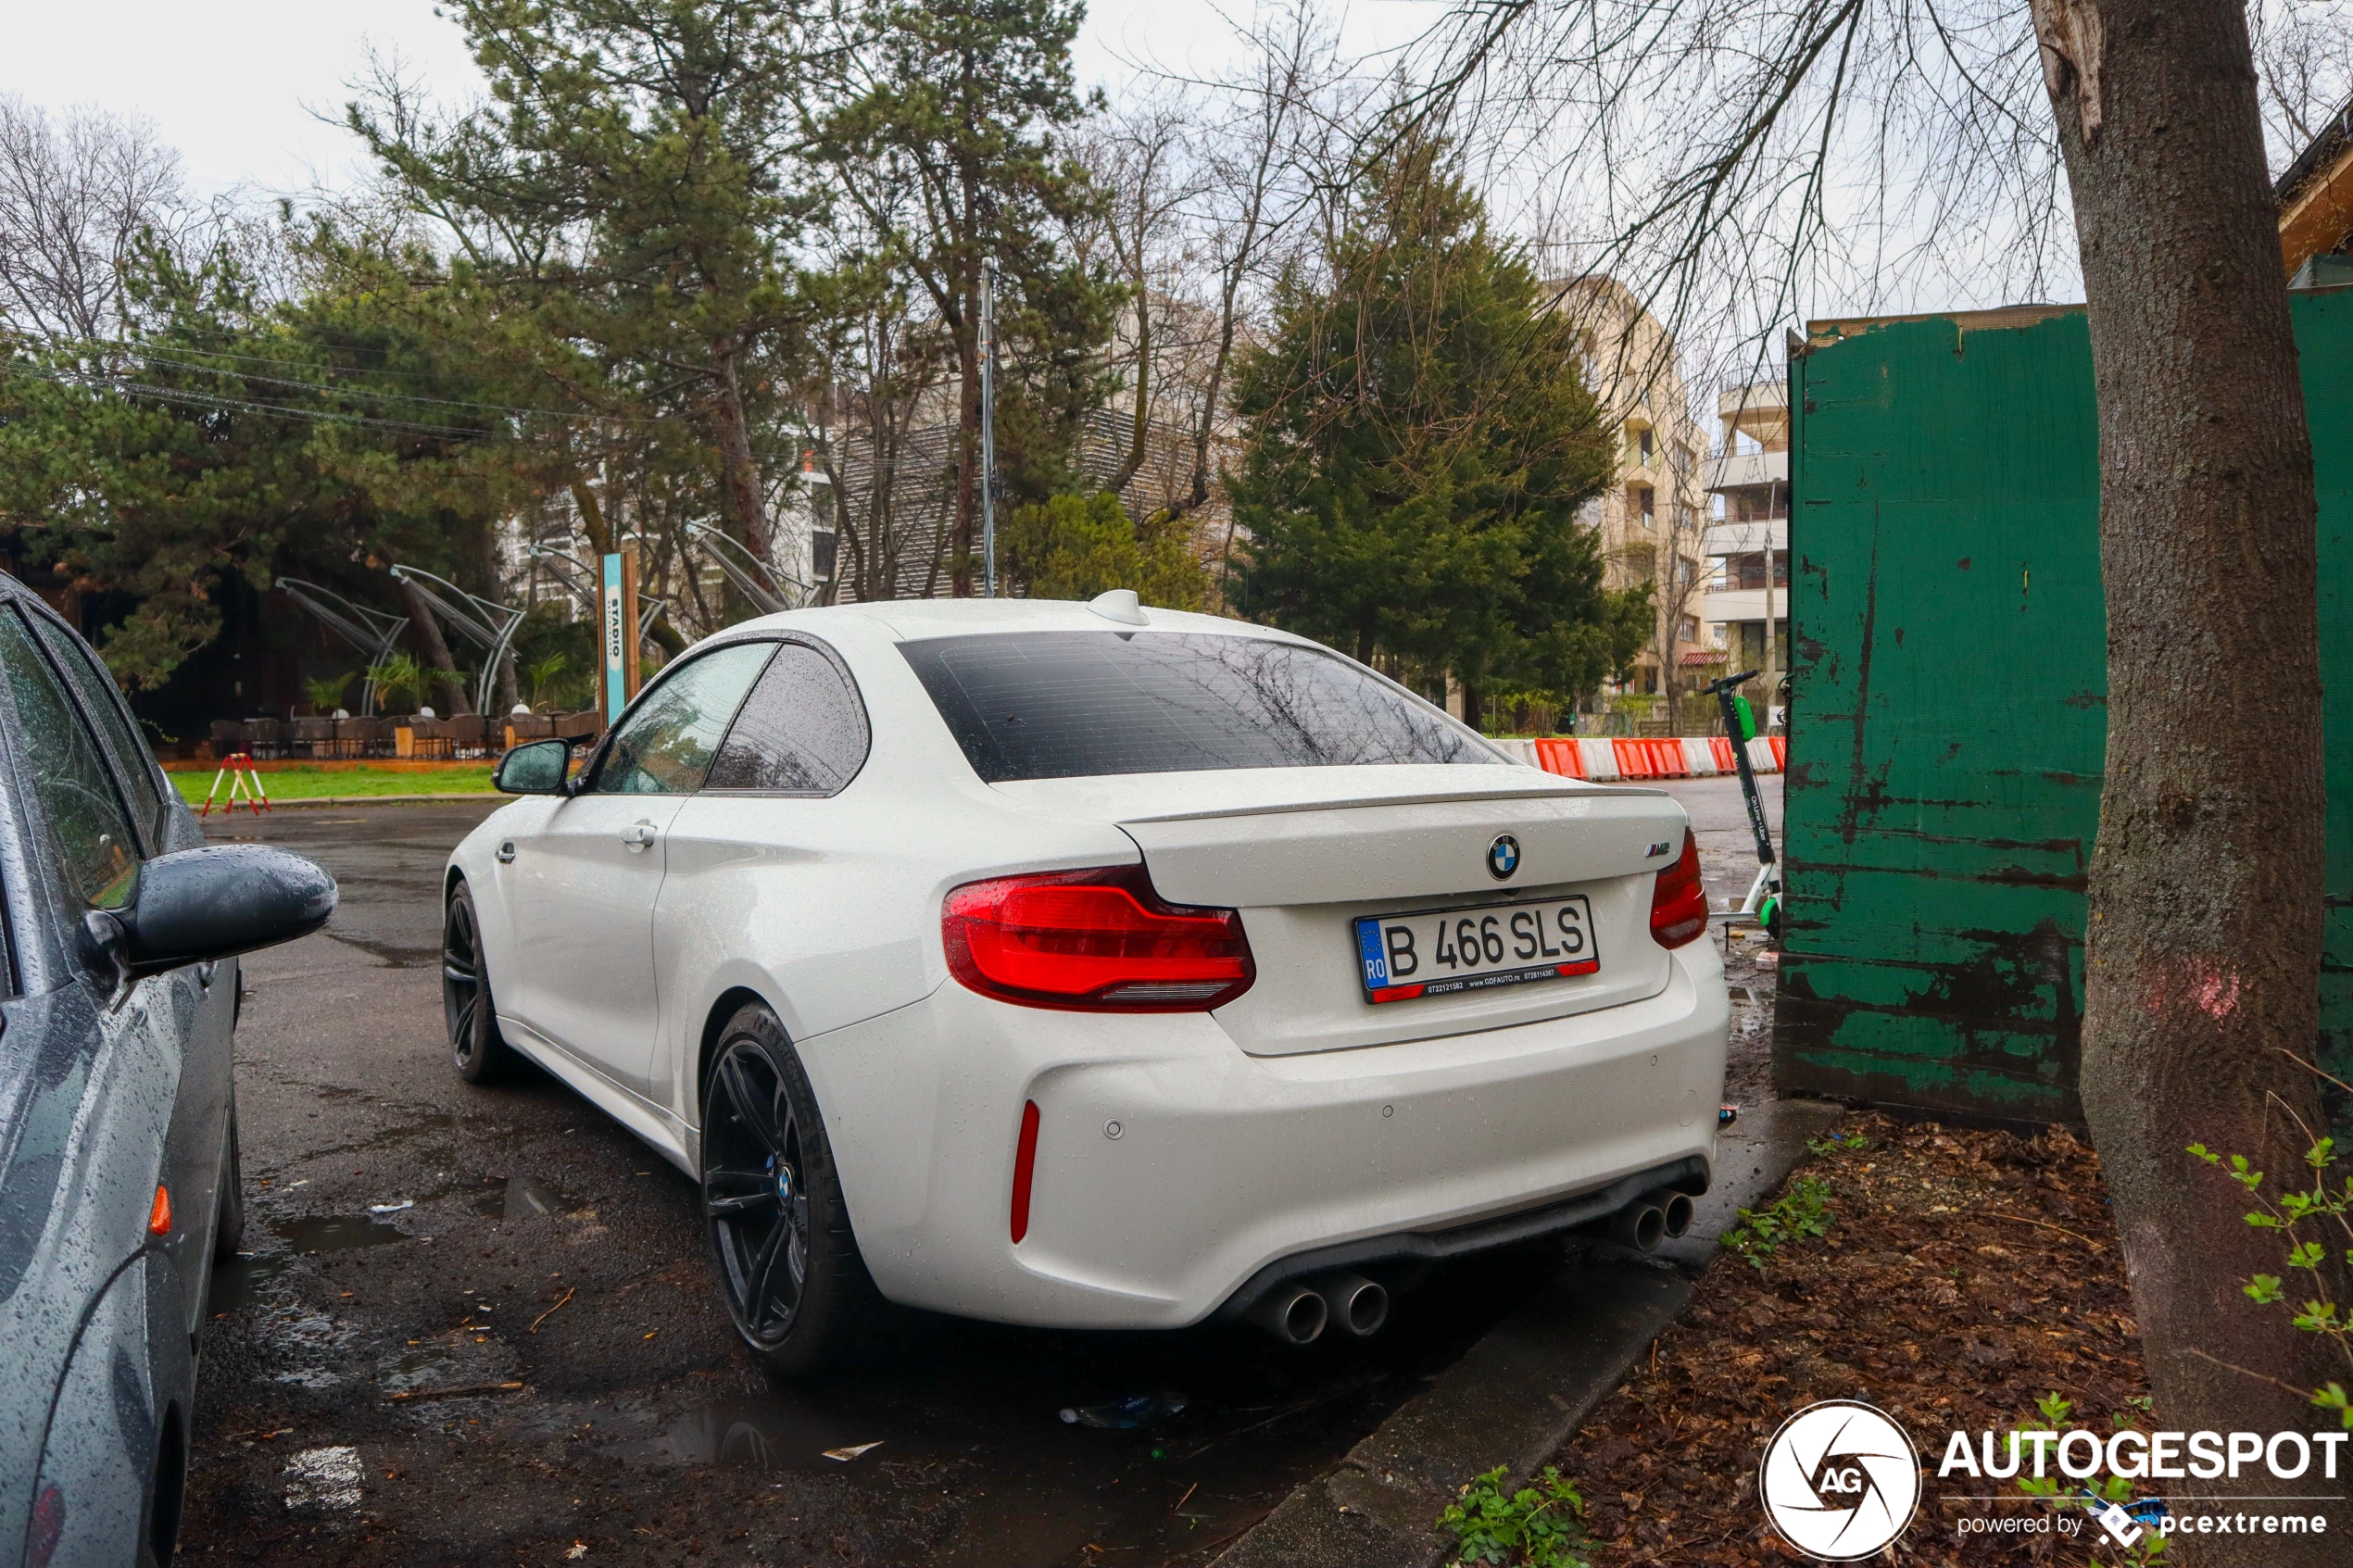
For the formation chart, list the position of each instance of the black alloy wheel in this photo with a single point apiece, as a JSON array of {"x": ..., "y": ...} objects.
[
  {"x": 477, "y": 1048},
  {"x": 780, "y": 1236}
]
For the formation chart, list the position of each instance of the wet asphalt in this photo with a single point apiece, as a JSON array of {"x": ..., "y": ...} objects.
[{"x": 477, "y": 1326}]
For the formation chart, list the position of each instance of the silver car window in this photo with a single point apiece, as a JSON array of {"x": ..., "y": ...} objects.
[
  {"x": 666, "y": 743},
  {"x": 132, "y": 764},
  {"x": 89, "y": 835},
  {"x": 801, "y": 732}
]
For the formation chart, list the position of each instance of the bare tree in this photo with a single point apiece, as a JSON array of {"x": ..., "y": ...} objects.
[
  {"x": 2304, "y": 61},
  {"x": 1882, "y": 149},
  {"x": 1137, "y": 155},
  {"x": 1676, "y": 581},
  {"x": 1260, "y": 171},
  {"x": 76, "y": 194}
]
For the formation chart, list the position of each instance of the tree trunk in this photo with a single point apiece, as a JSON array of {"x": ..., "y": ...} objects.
[
  {"x": 1474, "y": 706},
  {"x": 1134, "y": 460},
  {"x": 740, "y": 475},
  {"x": 509, "y": 693},
  {"x": 427, "y": 626},
  {"x": 592, "y": 517},
  {"x": 2202, "y": 957}
]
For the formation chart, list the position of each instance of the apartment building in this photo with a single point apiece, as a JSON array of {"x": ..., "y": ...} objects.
[
  {"x": 1651, "y": 518},
  {"x": 1747, "y": 535}
]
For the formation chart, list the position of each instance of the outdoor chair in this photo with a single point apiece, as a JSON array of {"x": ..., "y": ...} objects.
[{"x": 310, "y": 737}]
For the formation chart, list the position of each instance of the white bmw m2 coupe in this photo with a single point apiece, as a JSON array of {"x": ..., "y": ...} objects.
[{"x": 1091, "y": 966}]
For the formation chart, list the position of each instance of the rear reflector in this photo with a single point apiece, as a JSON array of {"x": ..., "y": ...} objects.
[
  {"x": 1678, "y": 903},
  {"x": 1093, "y": 940},
  {"x": 1025, "y": 1168}
]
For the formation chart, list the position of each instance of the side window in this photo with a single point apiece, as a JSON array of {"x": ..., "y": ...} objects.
[
  {"x": 133, "y": 765},
  {"x": 90, "y": 833},
  {"x": 803, "y": 731},
  {"x": 666, "y": 747}
]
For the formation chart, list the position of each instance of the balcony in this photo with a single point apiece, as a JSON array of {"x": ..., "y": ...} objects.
[
  {"x": 1739, "y": 471},
  {"x": 1764, "y": 398},
  {"x": 1741, "y": 604},
  {"x": 1725, "y": 537}
]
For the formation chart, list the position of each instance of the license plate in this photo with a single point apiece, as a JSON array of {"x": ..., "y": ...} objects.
[{"x": 1439, "y": 952}]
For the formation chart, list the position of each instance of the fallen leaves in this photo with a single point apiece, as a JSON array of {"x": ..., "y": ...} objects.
[{"x": 1927, "y": 1299}]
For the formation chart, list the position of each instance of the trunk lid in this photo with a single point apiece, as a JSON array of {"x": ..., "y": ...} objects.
[{"x": 1303, "y": 852}]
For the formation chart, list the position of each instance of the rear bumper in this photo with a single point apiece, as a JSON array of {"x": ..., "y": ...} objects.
[{"x": 1175, "y": 1173}]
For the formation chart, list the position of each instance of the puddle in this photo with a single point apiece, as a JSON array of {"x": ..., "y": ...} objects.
[
  {"x": 248, "y": 1279},
  {"x": 337, "y": 1233},
  {"x": 521, "y": 1198},
  {"x": 764, "y": 1434},
  {"x": 391, "y": 954},
  {"x": 430, "y": 1367}
]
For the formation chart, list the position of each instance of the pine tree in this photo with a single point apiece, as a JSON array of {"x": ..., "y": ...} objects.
[{"x": 1419, "y": 443}]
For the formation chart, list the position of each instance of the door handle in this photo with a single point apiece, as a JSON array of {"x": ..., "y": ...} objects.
[
  {"x": 507, "y": 853},
  {"x": 638, "y": 835}
]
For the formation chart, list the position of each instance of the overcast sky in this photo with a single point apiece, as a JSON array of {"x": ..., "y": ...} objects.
[{"x": 237, "y": 85}]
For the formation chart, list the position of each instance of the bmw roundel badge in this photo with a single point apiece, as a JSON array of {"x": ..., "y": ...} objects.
[{"x": 1503, "y": 856}]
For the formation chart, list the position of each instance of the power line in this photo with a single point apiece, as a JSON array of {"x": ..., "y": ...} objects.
[
  {"x": 239, "y": 405},
  {"x": 338, "y": 390}
]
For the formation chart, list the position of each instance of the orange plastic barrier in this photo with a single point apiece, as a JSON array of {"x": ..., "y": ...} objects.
[
  {"x": 1781, "y": 752},
  {"x": 1560, "y": 757},
  {"x": 1633, "y": 762},
  {"x": 1726, "y": 760}
]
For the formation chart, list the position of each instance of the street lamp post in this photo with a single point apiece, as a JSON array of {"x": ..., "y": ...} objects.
[{"x": 988, "y": 429}]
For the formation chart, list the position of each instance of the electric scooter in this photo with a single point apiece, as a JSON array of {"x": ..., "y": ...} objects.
[{"x": 1763, "y": 904}]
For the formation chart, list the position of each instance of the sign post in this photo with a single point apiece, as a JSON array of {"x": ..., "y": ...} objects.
[{"x": 631, "y": 647}]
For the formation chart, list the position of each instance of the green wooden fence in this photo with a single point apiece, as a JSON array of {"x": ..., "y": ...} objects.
[{"x": 1950, "y": 722}]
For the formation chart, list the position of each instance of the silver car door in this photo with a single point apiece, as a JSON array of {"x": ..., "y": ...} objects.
[{"x": 583, "y": 888}]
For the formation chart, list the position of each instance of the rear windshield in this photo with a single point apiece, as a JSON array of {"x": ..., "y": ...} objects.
[{"x": 1059, "y": 705}]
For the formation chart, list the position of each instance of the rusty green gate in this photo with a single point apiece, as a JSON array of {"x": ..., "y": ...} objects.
[{"x": 1950, "y": 720}]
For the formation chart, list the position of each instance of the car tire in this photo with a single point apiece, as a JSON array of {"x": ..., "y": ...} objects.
[
  {"x": 779, "y": 1231},
  {"x": 477, "y": 1048},
  {"x": 229, "y": 1223}
]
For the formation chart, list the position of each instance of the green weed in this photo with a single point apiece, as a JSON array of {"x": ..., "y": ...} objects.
[
  {"x": 2090, "y": 1496},
  {"x": 1539, "y": 1527},
  {"x": 1804, "y": 1211},
  {"x": 1834, "y": 1144}
]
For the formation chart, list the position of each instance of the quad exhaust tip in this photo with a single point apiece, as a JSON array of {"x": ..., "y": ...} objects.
[
  {"x": 1298, "y": 1312},
  {"x": 1642, "y": 1224},
  {"x": 1357, "y": 1305},
  {"x": 1292, "y": 1313},
  {"x": 1664, "y": 1215}
]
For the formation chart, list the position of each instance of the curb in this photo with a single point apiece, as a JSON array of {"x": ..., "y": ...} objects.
[{"x": 1517, "y": 1394}]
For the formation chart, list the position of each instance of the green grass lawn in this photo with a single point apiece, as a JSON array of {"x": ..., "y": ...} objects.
[{"x": 313, "y": 784}]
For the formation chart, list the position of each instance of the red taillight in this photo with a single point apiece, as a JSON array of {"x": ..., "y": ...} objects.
[
  {"x": 1025, "y": 1168},
  {"x": 1678, "y": 904},
  {"x": 1093, "y": 940}
]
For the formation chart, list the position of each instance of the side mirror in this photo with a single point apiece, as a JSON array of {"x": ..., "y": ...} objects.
[
  {"x": 535, "y": 768},
  {"x": 213, "y": 902}
]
